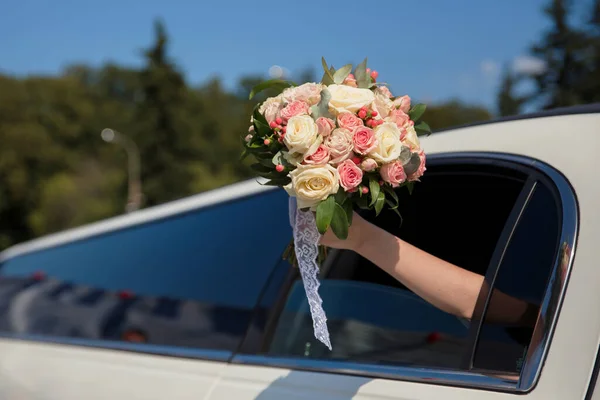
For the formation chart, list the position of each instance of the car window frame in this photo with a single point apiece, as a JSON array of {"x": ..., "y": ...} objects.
[{"x": 524, "y": 382}]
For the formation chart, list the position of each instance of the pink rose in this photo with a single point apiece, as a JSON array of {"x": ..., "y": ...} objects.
[
  {"x": 400, "y": 118},
  {"x": 368, "y": 164},
  {"x": 293, "y": 109},
  {"x": 402, "y": 103},
  {"x": 350, "y": 175},
  {"x": 349, "y": 121},
  {"x": 340, "y": 145},
  {"x": 320, "y": 156},
  {"x": 350, "y": 81},
  {"x": 364, "y": 140},
  {"x": 309, "y": 93},
  {"x": 384, "y": 91},
  {"x": 393, "y": 173},
  {"x": 421, "y": 170},
  {"x": 270, "y": 108},
  {"x": 325, "y": 125}
]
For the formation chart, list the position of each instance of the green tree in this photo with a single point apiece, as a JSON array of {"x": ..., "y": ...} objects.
[
  {"x": 564, "y": 50},
  {"x": 508, "y": 102},
  {"x": 162, "y": 130}
]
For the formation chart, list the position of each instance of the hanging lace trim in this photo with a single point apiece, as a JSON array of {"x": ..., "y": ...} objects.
[{"x": 306, "y": 245}]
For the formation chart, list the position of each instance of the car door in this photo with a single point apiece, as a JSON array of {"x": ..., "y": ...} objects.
[
  {"x": 509, "y": 218},
  {"x": 153, "y": 310}
]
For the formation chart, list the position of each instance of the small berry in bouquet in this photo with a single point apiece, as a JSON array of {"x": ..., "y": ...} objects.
[{"x": 342, "y": 143}]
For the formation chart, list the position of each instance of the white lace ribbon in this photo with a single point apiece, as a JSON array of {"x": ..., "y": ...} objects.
[{"x": 306, "y": 244}]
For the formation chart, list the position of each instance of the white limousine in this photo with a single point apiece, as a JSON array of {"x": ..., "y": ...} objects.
[{"x": 192, "y": 300}]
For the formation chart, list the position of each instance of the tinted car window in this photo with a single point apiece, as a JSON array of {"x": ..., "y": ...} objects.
[
  {"x": 522, "y": 276},
  {"x": 191, "y": 280},
  {"x": 457, "y": 213}
]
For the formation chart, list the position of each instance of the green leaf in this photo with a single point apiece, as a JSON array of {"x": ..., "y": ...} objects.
[
  {"x": 341, "y": 196},
  {"x": 410, "y": 186},
  {"x": 277, "y": 182},
  {"x": 322, "y": 109},
  {"x": 374, "y": 188},
  {"x": 379, "y": 203},
  {"x": 261, "y": 168},
  {"x": 347, "y": 206},
  {"x": 271, "y": 83},
  {"x": 325, "y": 214},
  {"x": 417, "y": 111},
  {"x": 398, "y": 214},
  {"x": 258, "y": 116},
  {"x": 339, "y": 222},
  {"x": 390, "y": 190},
  {"x": 423, "y": 128},
  {"x": 362, "y": 78},
  {"x": 326, "y": 69},
  {"x": 362, "y": 203},
  {"x": 244, "y": 154},
  {"x": 342, "y": 73},
  {"x": 262, "y": 129}
]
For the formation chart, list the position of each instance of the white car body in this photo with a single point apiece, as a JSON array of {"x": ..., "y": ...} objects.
[{"x": 43, "y": 368}]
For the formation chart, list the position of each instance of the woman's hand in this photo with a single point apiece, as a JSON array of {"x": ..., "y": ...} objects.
[{"x": 354, "y": 239}]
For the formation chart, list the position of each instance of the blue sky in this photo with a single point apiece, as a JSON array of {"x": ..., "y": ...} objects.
[{"x": 432, "y": 50}]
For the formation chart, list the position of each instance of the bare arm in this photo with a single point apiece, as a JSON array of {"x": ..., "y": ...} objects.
[{"x": 442, "y": 284}]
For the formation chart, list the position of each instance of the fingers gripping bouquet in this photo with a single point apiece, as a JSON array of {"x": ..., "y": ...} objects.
[{"x": 342, "y": 143}]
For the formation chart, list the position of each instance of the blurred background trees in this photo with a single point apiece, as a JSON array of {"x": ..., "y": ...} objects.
[{"x": 56, "y": 172}]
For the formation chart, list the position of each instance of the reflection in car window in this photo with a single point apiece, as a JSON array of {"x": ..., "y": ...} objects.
[
  {"x": 190, "y": 280},
  {"x": 523, "y": 274}
]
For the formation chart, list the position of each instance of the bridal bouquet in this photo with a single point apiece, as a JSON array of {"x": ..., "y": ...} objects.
[{"x": 337, "y": 144}]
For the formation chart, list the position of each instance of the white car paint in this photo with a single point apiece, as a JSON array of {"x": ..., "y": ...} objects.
[{"x": 569, "y": 143}]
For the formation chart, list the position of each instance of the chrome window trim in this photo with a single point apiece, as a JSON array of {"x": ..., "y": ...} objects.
[
  {"x": 139, "y": 348},
  {"x": 550, "y": 307}
]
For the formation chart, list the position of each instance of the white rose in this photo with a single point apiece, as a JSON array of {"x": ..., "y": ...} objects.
[
  {"x": 301, "y": 134},
  {"x": 312, "y": 184},
  {"x": 388, "y": 143},
  {"x": 411, "y": 139},
  {"x": 309, "y": 93},
  {"x": 348, "y": 98},
  {"x": 270, "y": 108}
]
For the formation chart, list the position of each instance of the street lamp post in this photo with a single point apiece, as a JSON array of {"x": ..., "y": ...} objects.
[{"x": 134, "y": 195}]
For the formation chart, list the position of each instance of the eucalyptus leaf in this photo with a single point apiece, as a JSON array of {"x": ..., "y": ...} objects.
[
  {"x": 326, "y": 79},
  {"x": 379, "y": 203},
  {"x": 339, "y": 222},
  {"x": 362, "y": 78},
  {"x": 374, "y": 189},
  {"x": 326, "y": 69},
  {"x": 270, "y": 84},
  {"x": 405, "y": 155},
  {"x": 325, "y": 214},
  {"x": 417, "y": 111},
  {"x": 322, "y": 109},
  {"x": 413, "y": 164},
  {"x": 422, "y": 128},
  {"x": 342, "y": 73}
]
